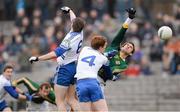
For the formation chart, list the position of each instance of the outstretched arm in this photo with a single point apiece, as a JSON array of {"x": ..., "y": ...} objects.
[
  {"x": 53, "y": 54},
  {"x": 66, "y": 10},
  {"x": 12, "y": 91},
  {"x": 120, "y": 35},
  {"x": 72, "y": 15},
  {"x": 19, "y": 90},
  {"x": 47, "y": 56},
  {"x": 63, "y": 47},
  {"x": 29, "y": 84}
]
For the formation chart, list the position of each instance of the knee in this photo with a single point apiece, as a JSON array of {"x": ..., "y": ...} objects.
[{"x": 71, "y": 101}]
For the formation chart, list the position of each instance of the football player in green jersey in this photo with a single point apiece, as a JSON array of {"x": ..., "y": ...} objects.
[
  {"x": 39, "y": 93},
  {"x": 118, "y": 53}
]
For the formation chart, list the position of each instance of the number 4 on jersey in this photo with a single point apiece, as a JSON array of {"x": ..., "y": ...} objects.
[{"x": 89, "y": 59}]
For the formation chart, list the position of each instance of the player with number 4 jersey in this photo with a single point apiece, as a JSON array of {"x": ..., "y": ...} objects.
[{"x": 89, "y": 92}]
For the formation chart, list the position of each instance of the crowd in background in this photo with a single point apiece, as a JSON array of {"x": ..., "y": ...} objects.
[{"x": 39, "y": 27}]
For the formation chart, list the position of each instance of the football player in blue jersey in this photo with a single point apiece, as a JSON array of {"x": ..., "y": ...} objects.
[
  {"x": 6, "y": 87},
  {"x": 89, "y": 92},
  {"x": 68, "y": 50}
]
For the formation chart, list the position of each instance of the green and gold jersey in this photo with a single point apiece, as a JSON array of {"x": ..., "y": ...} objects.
[
  {"x": 33, "y": 88},
  {"x": 117, "y": 64}
]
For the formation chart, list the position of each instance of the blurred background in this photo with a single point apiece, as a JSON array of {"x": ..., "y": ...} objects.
[{"x": 152, "y": 81}]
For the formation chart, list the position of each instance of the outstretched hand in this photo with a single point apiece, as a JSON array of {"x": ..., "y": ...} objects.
[
  {"x": 65, "y": 9},
  {"x": 28, "y": 97},
  {"x": 33, "y": 59},
  {"x": 111, "y": 54},
  {"x": 131, "y": 12}
]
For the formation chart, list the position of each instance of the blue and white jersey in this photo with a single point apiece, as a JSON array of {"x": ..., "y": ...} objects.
[
  {"x": 89, "y": 63},
  {"x": 3, "y": 82},
  {"x": 70, "y": 47}
]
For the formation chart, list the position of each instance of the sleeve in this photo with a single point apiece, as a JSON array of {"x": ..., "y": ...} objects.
[
  {"x": 11, "y": 90},
  {"x": 63, "y": 47},
  {"x": 105, "y": 73},
  {"x": 106, "y": 61},
  {"x": 121, "y": 33},
  {"x": 29, "y": 84},
  {"x": 110, "y": 54},
  {"x": 108, "y": 71},
  {"x": 19, "y": 81}
]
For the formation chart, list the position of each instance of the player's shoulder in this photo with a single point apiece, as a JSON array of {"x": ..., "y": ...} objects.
[
  {"x": 86, "y": 48},
  {"x": 72, "y": 38},
  {"x": 104, "y": 57},
  {"x": 71, "y": 35},
  {"x": 4, "y": 81}
]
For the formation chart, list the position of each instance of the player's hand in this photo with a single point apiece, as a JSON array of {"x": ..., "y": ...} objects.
[
  {"x": 28, "y": 96},
  {"x": 14, "y": 83},
  {"x": 33, "y": 59},
  {"x": 111, "y": 54},
  {"x": 65, "y": 9},
  {"x": 131, "y": 12},
  {"x": 116, "y": 77}
]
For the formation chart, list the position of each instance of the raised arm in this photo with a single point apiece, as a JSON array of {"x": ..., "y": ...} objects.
[
  {"x": 72, "y": 15},
  {"x": 120, "y": 35},
  {"x": 29, "y": 84},
  {"x": 66, "y": 10}
]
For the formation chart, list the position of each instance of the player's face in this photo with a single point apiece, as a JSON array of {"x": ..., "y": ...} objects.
[
  {"x": 127, "y": 48},
  {"x": 45, "y": 91},
  {"x": 8, "y": 73},
  {"x": 102, "y": 49}
]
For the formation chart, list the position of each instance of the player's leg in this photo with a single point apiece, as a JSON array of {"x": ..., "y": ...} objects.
[
  {"x": 97, "y": 97},
  {"x": 100, "y": 105},
  {"x": 71, "y": 98},
  {"x": 60, "y": 93},
  {"x": 83, "y": 89},
  {"x": 85, "y": 106},
  {"x": 62, "y": 81}
]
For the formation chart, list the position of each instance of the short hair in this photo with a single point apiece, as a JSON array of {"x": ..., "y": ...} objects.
[
  {"x": 46, "y": 85},
  {"x": 97, "y": 42},
  {"x": 133, "y": 47},
  {"x": 7, "y": 66},
  {"x": 131, "y": 44},
  {"x": 78, "y": 24}
]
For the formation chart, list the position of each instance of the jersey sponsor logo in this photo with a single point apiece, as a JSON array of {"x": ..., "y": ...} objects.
[
  {"x": 65, "y": 44},
  {"x": 117, "y": 62},
  {"x": 116, "y": 56}
]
